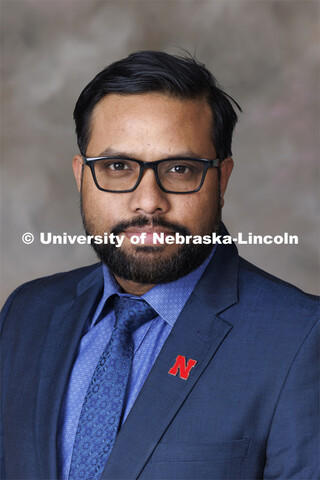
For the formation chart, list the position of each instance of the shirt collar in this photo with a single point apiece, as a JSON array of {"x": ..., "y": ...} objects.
[{"x": 167, "y": 299}]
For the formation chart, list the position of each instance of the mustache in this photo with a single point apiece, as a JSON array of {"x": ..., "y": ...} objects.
[{"x": 141, "y": 222}]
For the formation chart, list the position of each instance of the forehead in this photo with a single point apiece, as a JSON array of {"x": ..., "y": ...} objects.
[{"x": 148, "y": 120}]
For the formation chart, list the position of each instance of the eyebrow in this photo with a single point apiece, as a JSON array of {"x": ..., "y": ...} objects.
[{"x": 110, "y": 152}]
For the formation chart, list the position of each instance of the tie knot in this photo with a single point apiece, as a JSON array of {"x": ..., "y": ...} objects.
[{"x": 131, "y": 313}]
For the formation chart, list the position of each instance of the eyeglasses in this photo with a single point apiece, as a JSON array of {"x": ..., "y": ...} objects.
[{"x": 173, "y": 175}]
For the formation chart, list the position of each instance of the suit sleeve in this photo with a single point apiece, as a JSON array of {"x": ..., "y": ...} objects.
[
  {"x": 292, "y": 449},
  {"x": 4, "y": 314}
]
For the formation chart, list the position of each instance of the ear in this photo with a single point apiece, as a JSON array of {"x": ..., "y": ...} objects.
[
  {"x": 77, "y": 166},
  {"x": 225, "y": 169}
]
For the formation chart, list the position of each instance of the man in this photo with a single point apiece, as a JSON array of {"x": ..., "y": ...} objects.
[{"x": 166, "y": 360}]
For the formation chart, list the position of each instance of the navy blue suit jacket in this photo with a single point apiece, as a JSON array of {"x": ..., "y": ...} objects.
[{"x": 248, "y": 409}]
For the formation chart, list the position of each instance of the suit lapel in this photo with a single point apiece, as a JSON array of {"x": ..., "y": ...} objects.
[
  {"x": 197, "y": 335},
  {"x": 59, "y": 349}
]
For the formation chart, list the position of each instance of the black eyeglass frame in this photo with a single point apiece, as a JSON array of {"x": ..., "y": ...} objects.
[{"x": 90, "y": 161}]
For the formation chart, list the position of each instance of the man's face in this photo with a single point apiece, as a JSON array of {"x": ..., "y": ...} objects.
[{"x": 151, "y": 127}]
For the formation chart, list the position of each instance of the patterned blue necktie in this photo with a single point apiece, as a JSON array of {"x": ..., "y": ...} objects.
[{"x": 103, "y": 404}]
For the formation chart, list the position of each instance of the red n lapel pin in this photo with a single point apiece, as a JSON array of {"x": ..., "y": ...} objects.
[{"x": 183, "y": 367}]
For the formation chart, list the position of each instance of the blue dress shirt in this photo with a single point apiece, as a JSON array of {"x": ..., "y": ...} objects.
[{"x": 167, "y": 300}]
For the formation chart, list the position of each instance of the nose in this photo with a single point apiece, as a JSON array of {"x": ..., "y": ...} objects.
[{"x": 148, "y": 198}]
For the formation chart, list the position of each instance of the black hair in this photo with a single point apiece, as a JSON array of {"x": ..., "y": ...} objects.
[{"x": 151, "y": 71}]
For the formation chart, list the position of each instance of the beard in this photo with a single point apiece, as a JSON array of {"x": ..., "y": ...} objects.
[{"x": 148, "y": 264}]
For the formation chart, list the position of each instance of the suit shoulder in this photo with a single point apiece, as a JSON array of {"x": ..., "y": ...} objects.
[
  {"x": 61, "y": 278},
  {"x": 51, "y": 286},
  {"x": 273, "y": 293}
]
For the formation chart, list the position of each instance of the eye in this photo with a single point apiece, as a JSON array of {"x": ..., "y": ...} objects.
[
  {"x": 180, "y": 169},
  {"x": 118, "y": 166}
]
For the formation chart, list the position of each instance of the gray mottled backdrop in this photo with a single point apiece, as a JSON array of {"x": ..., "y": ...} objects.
[{"x": 265, "y": 54}]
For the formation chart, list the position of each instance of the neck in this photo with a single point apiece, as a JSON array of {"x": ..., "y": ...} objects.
[{"x": 133, "y": 288}]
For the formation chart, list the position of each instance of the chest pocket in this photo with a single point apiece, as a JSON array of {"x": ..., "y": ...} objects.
[{"x": 191, "y": 461}]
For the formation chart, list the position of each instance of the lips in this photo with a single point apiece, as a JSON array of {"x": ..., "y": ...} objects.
[{"x": 148, "y": 238}]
